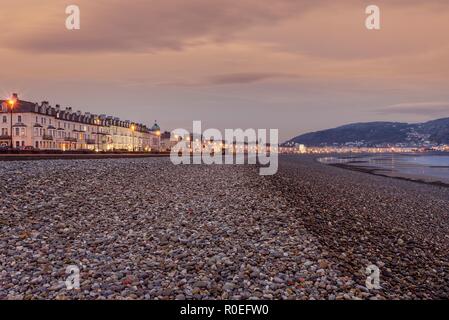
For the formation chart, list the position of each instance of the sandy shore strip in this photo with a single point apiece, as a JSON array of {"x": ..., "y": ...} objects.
[{"x": 145, "y": 229}]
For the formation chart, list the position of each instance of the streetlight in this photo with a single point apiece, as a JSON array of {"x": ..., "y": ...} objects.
[
  {"x": 97, "y": 122},
  {"x": 11, "y": 103},
  {"x": 133, "y": 127},
  {"x": 158, "y": 134}
]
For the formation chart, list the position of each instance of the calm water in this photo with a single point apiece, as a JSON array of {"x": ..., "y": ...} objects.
[{"x": 429, "y": 167}]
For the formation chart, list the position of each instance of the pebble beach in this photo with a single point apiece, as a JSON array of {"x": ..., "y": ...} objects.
[{"x": 145, "y": 229}]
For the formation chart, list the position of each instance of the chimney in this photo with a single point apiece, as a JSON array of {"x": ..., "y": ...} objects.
[
  {"x": 57, "y": 108},
  {"x": 15, "y": 96}
]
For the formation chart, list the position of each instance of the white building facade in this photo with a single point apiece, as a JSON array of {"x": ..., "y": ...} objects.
[{"x": 43, "y": 127}]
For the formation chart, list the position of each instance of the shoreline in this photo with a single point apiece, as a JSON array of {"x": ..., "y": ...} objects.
[{"x": 378, "y": 172}]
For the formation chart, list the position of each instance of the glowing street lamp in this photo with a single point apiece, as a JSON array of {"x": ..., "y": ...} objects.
[
  {"x": 97, "y": 122},
  {"x": 11, "y": 103},
  {"x": 158, "y": 134}
]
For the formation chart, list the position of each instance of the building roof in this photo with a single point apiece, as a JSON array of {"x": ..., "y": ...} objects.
[
  {"x": 155, "y": 127},
  {"x": 67, "y": 114},
  {"x": 22, "y": 106},
  {"x": 166, "y": 135}
]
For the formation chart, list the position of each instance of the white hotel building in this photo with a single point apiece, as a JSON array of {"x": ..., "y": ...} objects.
[{"x": 43, "y": 127}]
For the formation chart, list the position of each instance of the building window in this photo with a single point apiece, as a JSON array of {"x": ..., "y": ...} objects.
[
  {"x": 19, "y": 119},
  {"x": 17, "y": 144},
  {"x": 5, "y": 119},
  {"x": 4, "y": 132},
  {"x": 17, "y": 132}
]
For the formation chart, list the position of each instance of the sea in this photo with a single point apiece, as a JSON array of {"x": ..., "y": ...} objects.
[{"x": 428, "y": 167}]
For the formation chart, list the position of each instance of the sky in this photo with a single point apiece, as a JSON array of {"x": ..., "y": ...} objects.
[{"x": 292, "y": 65}]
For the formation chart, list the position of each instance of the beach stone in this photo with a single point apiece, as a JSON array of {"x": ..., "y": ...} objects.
[{"x": 146, "y": 229}]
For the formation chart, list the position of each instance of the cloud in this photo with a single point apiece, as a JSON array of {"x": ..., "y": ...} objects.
[
  {"x": 417, "y": 108},
  {"x": 313, "y": 60},
  {"x": 143, "y": 25},
  {"x": 243, "y": 78},
  {"x": 140, "y": 25},
  {"x": 229, "y": 79}
]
